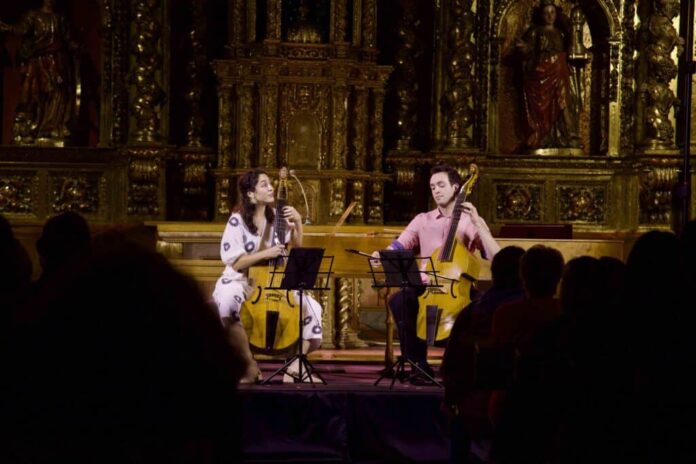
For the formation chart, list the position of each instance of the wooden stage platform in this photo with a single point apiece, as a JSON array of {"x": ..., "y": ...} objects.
[{"x": 349, "y": 420}]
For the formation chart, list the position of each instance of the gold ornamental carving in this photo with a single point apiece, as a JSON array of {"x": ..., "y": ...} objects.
[
  {"x": 304, "y": 124},
  {"x": 223, "y": 202},
  {"x": 225, "y": 147},
  {"x": 16, "y": 193},
  {"x": 144, "y": 174},
  {"x": 348, "y": 308},
  {"x": 375, "y": 214},
  {"x": 660, "y": 39},
  {"x": 628, "y": 75},
  {"x": 377, "y": 129},
  {"x": 195, "y": 167},
  {"x": 247, "y": 114},
  {"x": 148, "y": 94},
  {"x": 327, "y": 317},
  {"x": 369, "y": 24},
  {"x": 360, "y": 128},
  {"x": 405, "y": 177},
  {"x": 317, "y": 107},
  {"x": 113, "y": 128},
  {"x": 303, "y": 29},
  {"x": 238, "y": 22},
  {"x": 460, "y": 56},
  {"x": 519, "y": 202},
  {"x": 273, "y": 14},
  {"x": 359, "y": 199},
  {"x": 78, "y": 194},
  {"x": 655, "y": 194},
  {"x": 338, "y": 197},
  {"x": 582, "y": 204},
  {"x": 269, "y": 126},
  {"x": 304, "y": 52},
  {"x": 345, "y": 300},
  {"x": 340, "y": 19},
  {"x": 339, "y": 132}
]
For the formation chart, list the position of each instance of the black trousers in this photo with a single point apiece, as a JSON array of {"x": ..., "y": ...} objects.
[{"x": 404, "y": 307}]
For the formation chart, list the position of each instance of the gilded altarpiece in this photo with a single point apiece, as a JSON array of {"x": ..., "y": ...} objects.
[
  {"x": 302, "y": 88},
  {"x": 622, "y": 60}
]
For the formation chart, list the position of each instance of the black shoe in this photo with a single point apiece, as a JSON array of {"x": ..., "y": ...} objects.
[
  {"x": 421, "y": 380},
  {"x": 425, "y": 367}
]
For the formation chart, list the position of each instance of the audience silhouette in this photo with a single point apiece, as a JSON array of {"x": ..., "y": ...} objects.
[
  {"x": 123, "y": 361},
  {"x": 114, "y": 356}
]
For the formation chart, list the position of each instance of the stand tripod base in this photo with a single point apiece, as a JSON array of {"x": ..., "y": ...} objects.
[
  {"x": 305, "y": 370},
  {"x": 398, "y": 371}
]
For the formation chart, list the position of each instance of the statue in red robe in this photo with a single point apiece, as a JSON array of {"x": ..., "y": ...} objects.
[{"x": 550, "y": 103}]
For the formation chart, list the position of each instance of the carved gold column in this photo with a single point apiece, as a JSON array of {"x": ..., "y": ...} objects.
[
  {"x": 222, "y": 172},
  {"x": 360, "y": 129},
  {"x": 359, "y": 199},
  {"x": 196, "y": 68},
  {"x": 657, "y": 95},
  {"x": 369, "y": 30},
  {"x": 113, "y": 127},
  {"x": 225, "y": 127},
  {"x": 376, "y": 125},
  {"x": 346, "y": 334},
  {"x": 237, "y": 24},
  {"x": 375, "y": 213},
  {"x": 247, "y": 131},
  {"x": 146, "y": 151},
  {"x": 327, "y": 316},
  {"x": 345, "y": 297},
  {"x": 146, "y": 73},
  {"x": 189, "y": 168},
  {"x": 339, "y": 28},
  {"x": 339, "y": 132},
  {"x": 404, "y": 79},
  {"x": 460, "y": 90},
  {"x": 627, "y": 121},
  {"x": 269, "y": 124},
  {"x": 273, "y": 20}
]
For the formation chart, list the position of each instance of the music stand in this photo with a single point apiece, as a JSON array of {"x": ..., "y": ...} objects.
[
  {"x": 300, "y": 275},
  {"x": 401, "y": 270}
]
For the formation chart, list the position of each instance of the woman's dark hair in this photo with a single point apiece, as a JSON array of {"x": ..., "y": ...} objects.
[{"x": 247, "y": 183}]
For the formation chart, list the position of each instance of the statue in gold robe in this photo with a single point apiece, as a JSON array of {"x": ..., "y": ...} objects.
[{"x": 47, "y": 94}]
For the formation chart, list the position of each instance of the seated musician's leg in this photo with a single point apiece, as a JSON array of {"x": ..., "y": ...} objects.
[
  {"x": 229, "y": 298},
  {"x": 311, "y": 338},
  {"x": 404, "y": 307},
  {"x": 312, "y": 332}
]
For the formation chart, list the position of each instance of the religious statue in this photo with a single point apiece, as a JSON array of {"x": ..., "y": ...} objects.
[
  {"x": 47, "y": 94},
  {"x": 303, "y": 30},
  {"x": 550, "y": 94}
]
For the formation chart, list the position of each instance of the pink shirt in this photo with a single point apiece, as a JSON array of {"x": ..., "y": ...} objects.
[{"x": 428, "y": 231}]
